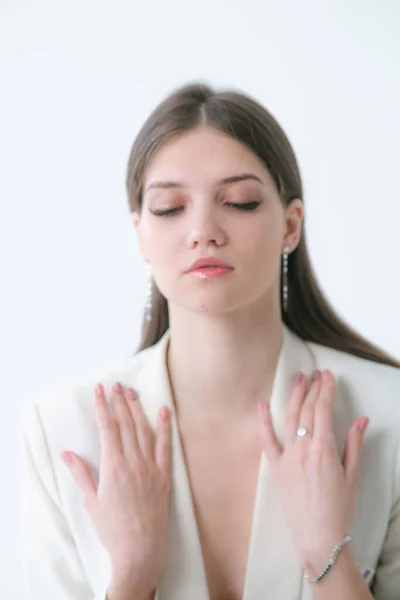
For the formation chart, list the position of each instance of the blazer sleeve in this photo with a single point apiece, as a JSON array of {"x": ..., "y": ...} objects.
[
  {"x": 50, "y": 562},
  {"x": 387, "y": 577}
]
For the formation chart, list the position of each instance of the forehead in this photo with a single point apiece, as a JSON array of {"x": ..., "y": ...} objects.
[{"x": 201, "y": 157}]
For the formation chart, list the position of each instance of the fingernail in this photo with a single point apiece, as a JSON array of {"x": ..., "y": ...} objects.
[
  {"x": 316, "y": 375},
  {"x": 67, "y": 458},
  {"x": 132, "y": 395},
  {"x": 98, "y": 389},
  {"x": 164, "y": 413},
  {"x": 326, "y": 375},
  {"x": 297, "y": 378},
  {"x": 117, "y": 387},
  {"x": 362, "y": 426}
]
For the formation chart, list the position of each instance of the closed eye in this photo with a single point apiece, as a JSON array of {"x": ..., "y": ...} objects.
[
  {"x": 244, "y": 205},
  {"x": 238, "y": 205}
]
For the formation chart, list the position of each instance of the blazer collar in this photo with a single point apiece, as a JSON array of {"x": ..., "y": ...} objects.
[{"x": 273, "y": 569}]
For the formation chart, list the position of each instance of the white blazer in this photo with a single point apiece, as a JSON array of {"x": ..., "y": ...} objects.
[{"x": 62, "y": 557}]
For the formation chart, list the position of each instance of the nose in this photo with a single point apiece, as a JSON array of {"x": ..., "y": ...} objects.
[{"x": 205, "y": 231}]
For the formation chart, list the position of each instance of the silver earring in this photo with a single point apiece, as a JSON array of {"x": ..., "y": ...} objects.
[
  {"x": 149, "y": 295},
  {"x": 285, "y": 286}
]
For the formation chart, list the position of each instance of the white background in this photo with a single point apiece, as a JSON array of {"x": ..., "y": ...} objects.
[{"x": 77, "y": 80}]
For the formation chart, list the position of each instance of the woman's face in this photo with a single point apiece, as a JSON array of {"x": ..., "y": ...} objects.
[{"x": 187, "y": 175}]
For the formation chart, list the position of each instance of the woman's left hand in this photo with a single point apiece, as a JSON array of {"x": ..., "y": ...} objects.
[{"x": 318, "y": 491}]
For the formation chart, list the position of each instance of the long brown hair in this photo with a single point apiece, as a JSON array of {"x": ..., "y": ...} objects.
[{"x": 309, "y": 314}]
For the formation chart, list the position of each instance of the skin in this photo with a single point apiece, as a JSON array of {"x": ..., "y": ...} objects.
[
  {"x": 238, "y": 319},
  {"x": 314, "y": 482}
]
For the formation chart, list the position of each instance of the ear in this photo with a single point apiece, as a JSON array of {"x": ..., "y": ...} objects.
[
  {"x": 294, "y": 215},
  {"x": 136, "y": 224}
]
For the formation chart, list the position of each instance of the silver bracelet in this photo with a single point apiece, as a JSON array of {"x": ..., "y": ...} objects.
[{"x": 332, "y": 559}]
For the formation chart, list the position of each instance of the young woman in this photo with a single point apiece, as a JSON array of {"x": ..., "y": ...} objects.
[{"x": 228, "y": 459}]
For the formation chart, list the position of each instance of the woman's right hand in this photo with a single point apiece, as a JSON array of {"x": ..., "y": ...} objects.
[{"x": 129, "y": 508}]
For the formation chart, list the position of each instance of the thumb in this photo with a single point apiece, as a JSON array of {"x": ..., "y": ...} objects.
[
  {"x": 353, "y": 450},
  {"x": 80, "y": 471}
]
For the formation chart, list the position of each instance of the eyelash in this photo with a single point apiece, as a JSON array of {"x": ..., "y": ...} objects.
[{"x": 240, "y": 206}]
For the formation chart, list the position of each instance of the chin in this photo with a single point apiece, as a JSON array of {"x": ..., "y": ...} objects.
[
  {"x": 219, "y": 304},
  {"x": 218, "y": 299}
]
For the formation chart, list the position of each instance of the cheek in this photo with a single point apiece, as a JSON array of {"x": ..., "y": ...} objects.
[
  {"x": 155, "y": 241},
  {"x": 262, "y": 254},
  {"x": 162, "y": 252},
  {"x": 263, "y": 241}
]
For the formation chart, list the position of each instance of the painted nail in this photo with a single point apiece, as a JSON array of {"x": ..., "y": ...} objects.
[
  {"x": 67, "y": 458},
  {"x": 362, "y": 426},
  {"x": 132, "y": 395},
  {"x": 316, "y": 375},
  {"x": 326, "y": 375},
  {"x": 164, "y": 413},
  {"x": 297, "y": 378},
  {"x": 117, "y": 387}
]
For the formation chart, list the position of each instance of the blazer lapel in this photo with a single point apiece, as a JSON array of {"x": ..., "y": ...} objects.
[{"x": 273, "y": 567}]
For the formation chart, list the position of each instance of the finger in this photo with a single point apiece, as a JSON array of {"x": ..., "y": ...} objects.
[
  {"x": 163, "y": 441},
  {"x": 110, "y": 439},
  {"x": 144, "y": 432},
  {"x": 269, "y": 441},
  {"x": 353, "y": 450},
  {"x": 299, "y": 388},
  {"x": 306, "y": 417},
  {"x": 323, "y": 414},
  {"x": 126, "y": 422},
  {"x": 82, "y": 476}
]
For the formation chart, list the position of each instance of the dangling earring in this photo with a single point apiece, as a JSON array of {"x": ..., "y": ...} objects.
[
  {"x": 285, "y": 287},
  {"x": 149, "y": 295}
]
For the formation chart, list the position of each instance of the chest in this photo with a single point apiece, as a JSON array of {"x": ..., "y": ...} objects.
[{"x": 223, "y": 476}]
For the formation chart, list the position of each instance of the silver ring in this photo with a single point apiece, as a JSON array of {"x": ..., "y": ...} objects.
[{"x": 302, "y": 431}]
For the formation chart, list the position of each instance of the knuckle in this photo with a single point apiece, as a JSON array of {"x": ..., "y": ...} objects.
[
  {"x": 324, "y": 451},
  {"x": 327, "y": 446},
  {"x": 141, "y": 469},
  {"x": 118, "y": 468},
  {"x": 110, "y": 426}
]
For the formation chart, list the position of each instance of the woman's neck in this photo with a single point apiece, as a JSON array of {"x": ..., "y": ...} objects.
[{"x": 219, "y": 369}]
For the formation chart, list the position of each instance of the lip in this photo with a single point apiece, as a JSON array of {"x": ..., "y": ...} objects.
[{"x": 208, "y": 262}]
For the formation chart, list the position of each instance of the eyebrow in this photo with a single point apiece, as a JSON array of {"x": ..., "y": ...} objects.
[{"x": 225, "y": 181}]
